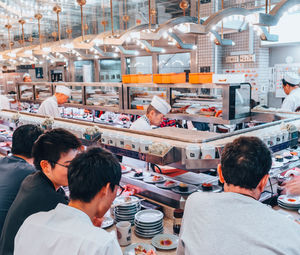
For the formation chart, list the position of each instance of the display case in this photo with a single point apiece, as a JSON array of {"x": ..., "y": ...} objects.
[
  {"x": 209, "y": 103},
  {"x": 138, "y": 96},
  {"x": 26, "y": 92},
  {"x": 93, "y": 95}
]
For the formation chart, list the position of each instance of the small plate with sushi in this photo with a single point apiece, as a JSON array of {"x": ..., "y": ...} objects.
[
  {"x": 169, "y": 184},
  {"x": 185, "y": 189}
]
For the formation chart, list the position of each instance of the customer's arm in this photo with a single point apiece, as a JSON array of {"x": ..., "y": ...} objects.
[{"x": 293, "y": 186}]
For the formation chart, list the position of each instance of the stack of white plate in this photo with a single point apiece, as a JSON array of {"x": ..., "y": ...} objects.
[
  {"x": 126, "y": 212},
  {"x": 289, "y": 202},
  {"x": 148, "y": 223}
]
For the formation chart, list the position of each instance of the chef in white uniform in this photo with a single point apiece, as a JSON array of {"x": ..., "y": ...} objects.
[
  {"x": 50, "y": 106},
  {"x": 156, "y": 111},
  {"x": 291, "y": 88},
  {"x": 4, "y": 102}
]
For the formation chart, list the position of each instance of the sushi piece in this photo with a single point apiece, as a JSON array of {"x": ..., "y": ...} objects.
[{"x": 183, "y": 187}]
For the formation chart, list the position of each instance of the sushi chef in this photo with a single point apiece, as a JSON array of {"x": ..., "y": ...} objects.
[
  {"x": 291, "y": 89},
  {"x": 50, "y": 106},
  {"x": 156, "y": 111}
]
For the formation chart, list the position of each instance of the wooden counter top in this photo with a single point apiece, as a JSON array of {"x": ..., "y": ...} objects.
[{"x": 168, "y": 229}]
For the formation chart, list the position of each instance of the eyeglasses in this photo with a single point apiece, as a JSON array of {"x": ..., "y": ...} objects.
[
  {"x": 56, "y": 163},
  {"x": 120, "y": 191}
]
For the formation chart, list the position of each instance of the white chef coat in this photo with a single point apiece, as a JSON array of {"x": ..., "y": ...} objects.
[
  {"x": 292, "y": 101},
  {"x": 64, "y": 230},
  {"x": 141, "y": 124},
  {"x": 4, "y": 102},
  {"x": 49, "y": 107}
]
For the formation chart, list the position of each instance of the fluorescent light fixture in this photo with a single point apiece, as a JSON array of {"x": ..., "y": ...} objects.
[{"x": 47, "y": 49}]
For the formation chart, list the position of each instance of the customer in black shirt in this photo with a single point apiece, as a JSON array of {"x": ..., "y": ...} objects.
[
  {"x": 52, "y": 153},
  {"x": 14, "y": 168}
]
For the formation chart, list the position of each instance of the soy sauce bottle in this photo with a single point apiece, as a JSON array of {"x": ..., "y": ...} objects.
[{"x": 177, "y": 219}]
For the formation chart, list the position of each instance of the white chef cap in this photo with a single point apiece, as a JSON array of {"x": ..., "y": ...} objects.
[
  {"x": 292, "y": 78},
  {"x": 63, "y": 90},
  {"x": 160, "y": 105},
  {"x": 26, "y": 75}
]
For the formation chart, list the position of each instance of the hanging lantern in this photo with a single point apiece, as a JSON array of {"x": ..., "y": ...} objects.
[
  {"x": 86, "y": 27},
  {"x": 57, "y": 10},
  {"x": 184, "y": 5},
  {"x": 69, "y": 32},
  {"x": 8, "y": 26},
  {"x": 81, "y": 3},
  {"x": 54, "y": 35},
  {"x": 39, "y": 16},
  {"x": 22, "y": 22}
]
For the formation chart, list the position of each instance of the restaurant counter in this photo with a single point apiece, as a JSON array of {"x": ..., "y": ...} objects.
[{"x": 168, "y": 229}]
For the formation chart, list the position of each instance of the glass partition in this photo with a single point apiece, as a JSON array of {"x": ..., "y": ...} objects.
[
  {"x": 174, "y": 63},
  {"x": 139, "y": 65},
  {"x": 26, "y": 92},
  {"x": 84, "y": 71},
  {"x": 110, "y": 70},
  {"x": 42, "y": 92},
  {"x": 106, "y": 96}
]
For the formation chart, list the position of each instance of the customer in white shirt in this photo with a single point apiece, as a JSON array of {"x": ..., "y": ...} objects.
[
  {"x": 50, "y": 106},
  {"x": 234, "y": 222},
  {"x": 93, "y": 178}
]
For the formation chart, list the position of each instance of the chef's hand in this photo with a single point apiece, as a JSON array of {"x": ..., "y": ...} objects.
[
  {"x": 97, "y": 221},
  {"x": 292, "y": 187}
]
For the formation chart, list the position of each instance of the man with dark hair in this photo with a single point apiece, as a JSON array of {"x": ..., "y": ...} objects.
[
  {"x": 235, "y": 222},
  {"x": 14, "y": 168},
  {"x": 52, "y": 153},
  {"x": 93, "y": 178}
]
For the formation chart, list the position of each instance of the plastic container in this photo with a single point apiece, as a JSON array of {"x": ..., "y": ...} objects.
[
  {"x": 178, "y": 78},
  {"x": 126, "y": 78},
  {"x": 196, "y": 78},
  {"x": 144, "y": 78}
]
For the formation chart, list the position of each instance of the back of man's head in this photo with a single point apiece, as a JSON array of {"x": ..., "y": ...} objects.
[
  {"x": 52, "y": 144},
  {"x": 24, "y": 138},
  {"x": 245, "y": 161},
  {"x": 90, "y": 171}
]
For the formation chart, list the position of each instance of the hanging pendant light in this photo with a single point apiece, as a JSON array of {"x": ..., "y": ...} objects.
[
  {"x": 8, "y": 26},
  {"x": 111, "y": 18},
  {"x": 199, "y": 12},
  {"x": 39, "y": 16},
  {"x": 184, "y": 5},
  {"x": 57, "y": 10},
  {"x": 22, "y": 22},
  {"x": 69, "y": 32},
  {"x": 81, "y": 4}
]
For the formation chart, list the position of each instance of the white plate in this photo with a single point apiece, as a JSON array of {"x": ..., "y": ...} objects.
[
  {"x": 156, "y": 241},
  {"x": 121, "y": 200},
  {"x": 289, "y": 200},
  {"x": 276, "y": 164},
  {"x": 145, "y": 175},
  {"x": 149, "y": 216},
  {"x": 126, "y": 170},
  {"x": 150, "y": 179},
  {"x": 162, "y": 185},
  {"x": 130, "y": 250},
  {"x": 107, "y": 222}
]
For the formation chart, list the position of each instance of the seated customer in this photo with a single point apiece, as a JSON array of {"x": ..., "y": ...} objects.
[
  {"x": 234, "y": 222},
  {"x": 94, "y": 178},
  {"x": 14, "y": 168},
  {"x": 52, "y": 153}
]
